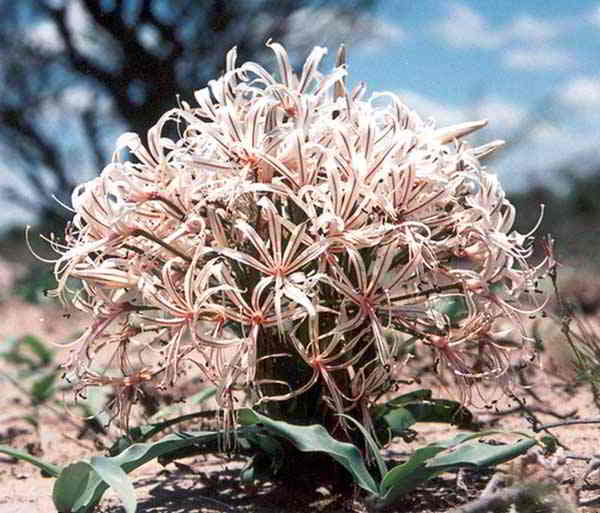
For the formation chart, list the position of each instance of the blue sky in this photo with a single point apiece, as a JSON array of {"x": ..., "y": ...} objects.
[{"x": 530, "y": 65}]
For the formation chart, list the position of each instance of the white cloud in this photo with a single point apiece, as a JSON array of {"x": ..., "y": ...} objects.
[
  {"x": 594, "y": 16},
  {"x": 464, "y": 28},
  {"x": 327, "y": 26},
  {"x": 383, "y": 33},
  {"x": 443, "y": 114},
  {"x": 530, "y": 28},
  {"x": 546, "y": 133},
  {"x": 538, "y": 58},
  {"x": 503, "y": 116},
  {"x": 581, "y": 92}
]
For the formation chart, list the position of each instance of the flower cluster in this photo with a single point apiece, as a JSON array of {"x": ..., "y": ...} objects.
[{"x": 286, "y": 230}]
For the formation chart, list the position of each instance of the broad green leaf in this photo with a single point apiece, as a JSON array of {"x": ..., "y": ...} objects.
[
  {"x": 460, "y": 438},
  {"x": 114, "y": 476},
  {"x": 480, "y": 455},
  {"x": 138, "y": 454},
  {"x": 435, "y": 410},
  {"x": 435, "y": 459},
  {"x": 403, "y": 478},
  {"x": 48, "y": 468},
  {"x": 396, "y": 416},
  {"x": 264, "y": 464},
  {"x": 79, "y": 487},
  {"x": 147, "y": 431},
  {"x": 371, "y": 443},
  {"x": 143, "y": 433},
  {"x": 315, "y": 438},
  {"x": 410, "y": 397}
]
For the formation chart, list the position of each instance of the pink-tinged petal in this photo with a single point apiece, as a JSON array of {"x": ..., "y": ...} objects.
[
  {"x": 255, "y": 131},
  {"x": 308, "y": 255},
  {"x": 280, "y": 168},
  {"x": 349, "y": 208},
  {"x": 309, "y": 70},
  {"x": 244, "y": 258},
  {"x": 285, "y": 69},
  {"x": 216, "y": 228},
  {"x": 302, "y": 178},
  {"x": 380, "y": 160},
  {"x": 347, "y": 169},
  {"x": 274, "y": 227},
  {"x": 293, "y": 244},
  {"x": 367, "y": 139},
  {"x": 383, "y": 350},
  {"x": 217, "y": 165},
  {"x": 449, "y": 134},
  {"x": 344, "y": 145},
  {"x": 232, "y": 124},
  {"x": 296, "y": 295},
  {"x": 383, "y": 262},
  {"x": 211, "y": 131},
  {"x": 230, "y": 59},
  {"x": 263, "y": 252},
  {"x": 293, "y": 219},
  {"x": 402, "y": 179},
  {"x": 360, "y": 270},
  {"x": 204, "y": 101},
  {"x": 344, "y": 289},
  {"x": 329, "y": 81}
]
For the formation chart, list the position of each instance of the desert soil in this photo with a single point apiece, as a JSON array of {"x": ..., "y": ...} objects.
[{"x": 210, "y": 484}]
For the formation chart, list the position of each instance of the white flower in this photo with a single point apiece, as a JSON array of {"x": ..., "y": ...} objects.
[{"x": 294, "y": 221}]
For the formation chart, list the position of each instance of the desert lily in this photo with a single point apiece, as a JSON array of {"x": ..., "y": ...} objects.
[{"x": 290, "y": 224}]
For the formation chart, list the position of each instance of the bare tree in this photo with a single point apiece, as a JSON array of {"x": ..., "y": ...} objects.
[{"x": 75, "y": 72}]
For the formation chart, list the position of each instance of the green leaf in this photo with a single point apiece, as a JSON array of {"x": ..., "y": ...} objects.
[
  {"x": 147, "y": 431},
  {"x": 481, "y": 455},
  {"x": 43, "y": 388},
  {"x": 435, "y": 459},
  {"x": 267, "y": 462},
  {"x": 79, "y": 486},
  {"x": 415, "y": 395},
  {"x": 48, "y": 468},
  {"x": 315, "y": 438},
  {"x": 396, "y": 416},
  {"x": 381, "y": 409},
  {"x": 113, "y": 475},
  {"x": 371, "y": 443},
  {"x": 37, "y": 355},
  {"x": 78, "y": 489},
  {"x": 408, "y": 475},
  {"x": 43, "y": 352},
  {"x": 435, "y": 410},
  {"x": 454, "y": 307}
]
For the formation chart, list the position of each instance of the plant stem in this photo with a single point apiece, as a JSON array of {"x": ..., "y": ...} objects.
[{"x": 538, "y": 428}]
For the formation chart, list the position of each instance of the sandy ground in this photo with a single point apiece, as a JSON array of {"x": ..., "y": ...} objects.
[{"x": 210, "y": 485}]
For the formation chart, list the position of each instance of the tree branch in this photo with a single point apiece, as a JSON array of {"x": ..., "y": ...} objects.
[{"x": 80, "y": 63}]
